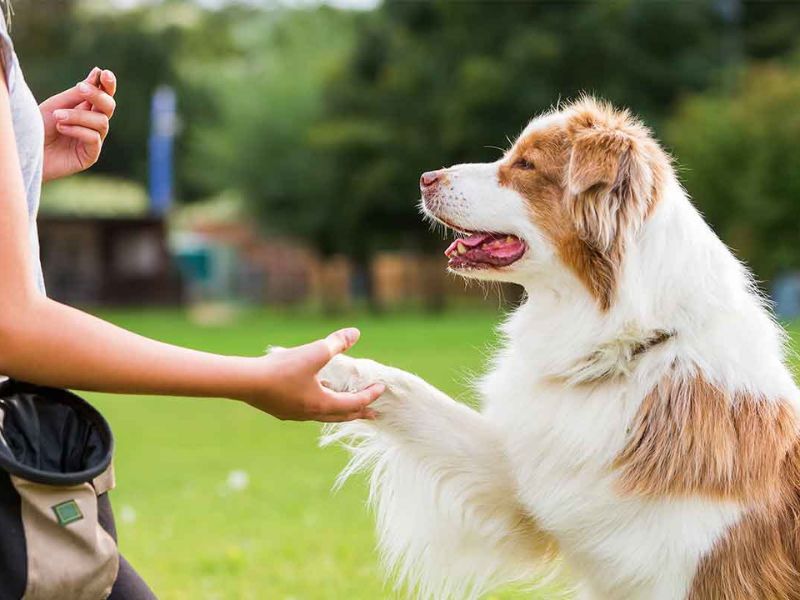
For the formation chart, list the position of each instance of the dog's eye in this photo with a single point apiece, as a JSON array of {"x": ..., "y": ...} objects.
[{"x": 524, "y": 164}]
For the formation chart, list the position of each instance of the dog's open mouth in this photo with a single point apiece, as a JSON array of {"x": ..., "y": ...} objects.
[{"x": 484, "y": 250}]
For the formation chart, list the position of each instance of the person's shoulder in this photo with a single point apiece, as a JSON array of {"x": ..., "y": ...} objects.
[
  {"x": 7, "y": 57},
  {"x": 4, "y": 28}
]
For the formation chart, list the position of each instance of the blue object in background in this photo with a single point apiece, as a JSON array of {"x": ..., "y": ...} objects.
[
  {"x": 162, "y": 134},
  {"x": 786, "y": 295}
]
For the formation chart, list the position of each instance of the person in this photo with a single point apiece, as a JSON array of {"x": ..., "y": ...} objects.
[{"x": 50, "y": 344}]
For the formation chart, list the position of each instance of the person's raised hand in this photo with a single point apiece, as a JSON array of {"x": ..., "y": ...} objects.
[
  {"x": 287, "y": 386},
  {"x": 76, "y": 124}
]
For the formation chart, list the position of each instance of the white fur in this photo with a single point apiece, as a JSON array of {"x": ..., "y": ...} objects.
[{"x": 454, "y": 488}]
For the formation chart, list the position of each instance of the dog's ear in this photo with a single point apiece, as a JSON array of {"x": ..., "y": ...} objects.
[{"x": 607, "y": 184}]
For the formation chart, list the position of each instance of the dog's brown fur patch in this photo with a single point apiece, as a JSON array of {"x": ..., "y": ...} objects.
[
  {"x": 759, "y": 558},
  {"x": 692, "y": 437},
  {"x": 592, "y": 183}
]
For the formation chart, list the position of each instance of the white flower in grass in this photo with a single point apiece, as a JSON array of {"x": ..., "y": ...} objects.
[
  {"x": 127, "y": 514},
  {"x": 237, "y": 481}
]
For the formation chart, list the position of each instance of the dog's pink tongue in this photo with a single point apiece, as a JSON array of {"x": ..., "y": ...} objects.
[
  {"x": 504, "y": 247},
  {"x": 473, "y": 241}
]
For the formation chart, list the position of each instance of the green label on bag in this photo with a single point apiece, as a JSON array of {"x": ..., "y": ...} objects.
[{"x": 67, "y": 512}]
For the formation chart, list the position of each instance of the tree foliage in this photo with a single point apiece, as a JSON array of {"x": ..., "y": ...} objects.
[
  {"x": 323, "y": 119},
  {"x": 436, "y": 83},
  {"x": 268, "y": 94},
  {"x": 741, "y": 161},
  {"x": 58, "y": 48}
]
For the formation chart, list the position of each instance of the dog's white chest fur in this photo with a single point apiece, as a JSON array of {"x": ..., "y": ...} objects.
[{"x": 561, "y": 443}]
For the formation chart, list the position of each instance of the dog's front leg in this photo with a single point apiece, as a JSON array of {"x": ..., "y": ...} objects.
[{"x": 449, "y": 521}]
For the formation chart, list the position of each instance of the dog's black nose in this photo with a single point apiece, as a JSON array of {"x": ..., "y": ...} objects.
[{"x": 430, "y": 178}]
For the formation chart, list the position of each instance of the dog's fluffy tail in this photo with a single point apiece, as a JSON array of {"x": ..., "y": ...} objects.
[{"x": 449, "y": 525}]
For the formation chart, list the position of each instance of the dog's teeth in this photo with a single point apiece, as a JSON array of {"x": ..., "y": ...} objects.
[
  {"x": 462, "y": 249},
  {"x": 509, "y": 240}
]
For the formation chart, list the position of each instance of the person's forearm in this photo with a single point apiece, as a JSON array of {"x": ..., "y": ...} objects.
[{"x": 52, "y": 344}]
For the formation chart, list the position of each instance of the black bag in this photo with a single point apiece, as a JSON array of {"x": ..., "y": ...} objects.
[{"x": 55, "y": 472}]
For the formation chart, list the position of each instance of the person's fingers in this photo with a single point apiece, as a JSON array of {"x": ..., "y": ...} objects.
[
  {"x": 84, "y": 118},
  {"x": 322, "y": 351},
  {"x": 93, "y": 77},
  {"x": 89, "y": 137},
  {"x": 109, "y": 82},
  {"x": 343, "y": 403},
  {"x": 367, "y": 415},
  {"x": 99, "y": 99},
  {"x": 70, "y": 98},
  {"x": 73, "y": 97}
]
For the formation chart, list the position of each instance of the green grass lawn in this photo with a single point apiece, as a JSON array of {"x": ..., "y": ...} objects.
[{"x": 285, "y": 535}]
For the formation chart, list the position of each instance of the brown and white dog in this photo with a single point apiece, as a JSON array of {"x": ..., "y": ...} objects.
[{"x": 639, "y": 421}]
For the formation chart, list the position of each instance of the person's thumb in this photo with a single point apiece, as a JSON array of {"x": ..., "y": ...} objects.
[
  {"x": 341, "y": 341},
  {"x": 322, "y": 351}
]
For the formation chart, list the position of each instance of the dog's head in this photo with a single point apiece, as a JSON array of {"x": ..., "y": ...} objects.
[{"x": 572, "y": 193}]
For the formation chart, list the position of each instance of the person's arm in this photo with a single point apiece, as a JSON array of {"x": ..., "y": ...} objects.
[{"x": 47, "y": 343}]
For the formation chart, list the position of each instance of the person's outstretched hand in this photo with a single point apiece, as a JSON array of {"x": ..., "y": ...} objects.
[
  {"x": 291, "y": 390},
  {"x": 76, "y": 123}
]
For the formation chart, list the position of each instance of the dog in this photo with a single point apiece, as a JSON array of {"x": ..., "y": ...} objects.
[{"x": 638, "y": 426}]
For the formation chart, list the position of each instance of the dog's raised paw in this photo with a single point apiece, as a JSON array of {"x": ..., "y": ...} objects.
[{"x": 341, "y": 374}]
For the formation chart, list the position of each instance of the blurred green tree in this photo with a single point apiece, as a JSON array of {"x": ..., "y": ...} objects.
[
  {"x": 267, "y": 93},
  {"x": 740, "y": 160},
  {"x": 60, "y": 42},
  {"x": 58, "y": 48},
  {"x": 436, "y": 83},
  {"x": 323, "y": 119}
]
